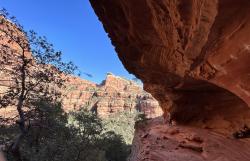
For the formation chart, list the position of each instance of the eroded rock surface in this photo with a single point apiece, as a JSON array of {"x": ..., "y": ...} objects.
[
  {"x": 156, "y": 141},
  {"x": 114, "y": 95},
  {"x": 193, "y": 56}
]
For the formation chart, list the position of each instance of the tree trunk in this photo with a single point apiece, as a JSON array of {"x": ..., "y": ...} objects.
[{"x": 21, "y": 122}]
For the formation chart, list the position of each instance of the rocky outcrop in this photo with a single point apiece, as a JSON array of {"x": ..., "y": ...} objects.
[
  {"x": 113, "y": 95},
  {"x": 192, "y": 56}
]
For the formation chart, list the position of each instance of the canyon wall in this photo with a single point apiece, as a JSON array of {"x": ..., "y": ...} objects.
[
  {"x": 192, "y": 56},
  {"x": 115, "y": 94}
]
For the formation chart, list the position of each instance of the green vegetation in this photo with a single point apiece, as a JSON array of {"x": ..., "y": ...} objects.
[
  {"x": 57, "y": 136},
  {"x": 42, "y": 131},
  {"x": 122, "y": 123},
  {"x": 34, "y": 71}
]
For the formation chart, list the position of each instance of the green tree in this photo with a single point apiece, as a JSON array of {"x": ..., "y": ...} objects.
[
  {"x": 94, "y": 143},
  {"x": 43, "y": 131},
  {"x": 114, "y": 146},
  {"x": 87, "y": 128},
  {"x": 122, "y": 123},
  {"x": 57, "y": 136},
  {"x": 34, "y": 71}
]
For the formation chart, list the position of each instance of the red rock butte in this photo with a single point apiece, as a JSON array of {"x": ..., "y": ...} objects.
[
  {"x": 193, "y": 56},
  {"x": 115, "y": 94}
]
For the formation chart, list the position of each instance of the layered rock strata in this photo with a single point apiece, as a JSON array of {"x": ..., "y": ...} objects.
[{"x": 113, "y": 95}]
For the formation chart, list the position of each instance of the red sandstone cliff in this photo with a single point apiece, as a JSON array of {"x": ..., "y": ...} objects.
[
  {"x": 193, "y": 57},
  {"x": 114, "y": 95}
]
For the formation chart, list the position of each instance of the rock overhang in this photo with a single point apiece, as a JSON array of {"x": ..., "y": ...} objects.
[{"x": 192, "y": 55}]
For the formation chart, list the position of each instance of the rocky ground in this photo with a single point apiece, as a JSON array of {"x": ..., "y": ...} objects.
[{"x": 155, "y": 140}]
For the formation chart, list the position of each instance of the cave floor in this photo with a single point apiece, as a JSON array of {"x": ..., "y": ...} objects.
[{"x": 157, "y": 141}]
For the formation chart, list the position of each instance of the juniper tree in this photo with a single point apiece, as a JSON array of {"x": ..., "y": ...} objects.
[{"x": 31, "y": 70}]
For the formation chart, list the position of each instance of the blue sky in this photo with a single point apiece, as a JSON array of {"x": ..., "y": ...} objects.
[{"x": 73, "y": 28}]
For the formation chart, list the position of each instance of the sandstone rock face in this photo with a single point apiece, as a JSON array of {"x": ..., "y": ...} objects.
[
  {"x": 5, "y": 79},
  {"x": 115, "y": 94},
  {"x": 192, "y": 56},
  {"x": 77, "y": 93}
]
